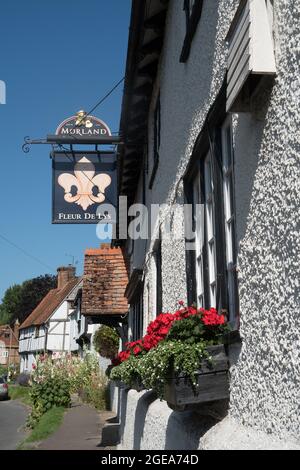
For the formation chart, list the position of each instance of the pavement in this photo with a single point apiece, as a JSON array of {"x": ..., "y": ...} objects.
[
  {"x": 13, "y": 415},
  {"x": 81, "y": 429}
]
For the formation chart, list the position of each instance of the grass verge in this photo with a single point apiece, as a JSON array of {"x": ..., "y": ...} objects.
[
  {"x": 17, "y": 392},
  {"x": 47, "y": 425}
]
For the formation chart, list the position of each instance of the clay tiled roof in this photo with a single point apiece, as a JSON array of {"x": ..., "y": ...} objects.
[
  {"x": 49, "y": 304},
  {"x": 104, "y": 282}
]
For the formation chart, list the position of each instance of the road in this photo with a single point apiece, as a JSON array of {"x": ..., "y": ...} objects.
[{"x": 12, "y": 420}]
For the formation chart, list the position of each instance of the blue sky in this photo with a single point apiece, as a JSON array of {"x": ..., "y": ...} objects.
[{"x": 56, "y": 58}]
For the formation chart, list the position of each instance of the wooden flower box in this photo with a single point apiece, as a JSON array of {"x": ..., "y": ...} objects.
[
  {"x": 212, "y": 383},
  {"x": 120, "y": 384},
  {"x": 137, "y": 385}
]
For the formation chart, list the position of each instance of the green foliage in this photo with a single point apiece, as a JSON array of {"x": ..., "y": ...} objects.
[
  {"x": 54, "y": 380},
  {"x": 3, "y": 370},
  {"x": 169, "y": 359},
  {"x": 192, "y": 330},
  {"x": 17, "y": 392},
  {"x": 21, "y": 299},
  {"x": 106, "y": 342},
  {"x": 54, "y": 392},
  {"x": 127, "y": 371},
  {"x": 11, "y": 304},
  {"x": 96, "y": 393}
]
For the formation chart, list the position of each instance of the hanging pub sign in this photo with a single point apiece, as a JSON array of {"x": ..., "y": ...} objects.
[
  {"x": 83, "y": 125},
  {"x": 84, "y": 187}
]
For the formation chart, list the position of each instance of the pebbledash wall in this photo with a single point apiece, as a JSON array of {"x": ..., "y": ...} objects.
[{"x": 265, "y": 371}]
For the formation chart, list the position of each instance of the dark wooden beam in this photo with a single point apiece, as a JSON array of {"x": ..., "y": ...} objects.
[
  {"x": 131, "y": 165},
  {"x": 156, "y": 22},
  {"x": 135, "y": 136},
  {"x": 137, "y": 127},
  {"x": 144, "y": 90},
  {"x": 149, "y": 70},
  {"x": 132, "y": 155},
  {"x": 139, "y": 107},
  {"x": 138, "y": 118},
  {"x": 152, "y": 47}
]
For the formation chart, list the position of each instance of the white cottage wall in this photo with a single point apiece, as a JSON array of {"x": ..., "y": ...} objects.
[{"x": 265, "y": 373}]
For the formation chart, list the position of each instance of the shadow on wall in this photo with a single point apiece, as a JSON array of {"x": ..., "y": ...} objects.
[
  {"x": 140, "y": 417},
  {"x": 185, "y": 429},
  {"x": 248, "y": 139},
  {"x": 122, "y": 407}
]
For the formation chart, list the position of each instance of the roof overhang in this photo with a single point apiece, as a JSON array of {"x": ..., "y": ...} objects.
[{"x": 147, "y": 26}]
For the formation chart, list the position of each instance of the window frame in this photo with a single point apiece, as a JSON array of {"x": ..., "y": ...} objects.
[
  {"x": 192, "y": 19},
  {"x": 210, "y": 142},
  {"x": 157, "y": 252},
  {"x": 228, "y": 180},
  {"x": 137, "y": 318}
]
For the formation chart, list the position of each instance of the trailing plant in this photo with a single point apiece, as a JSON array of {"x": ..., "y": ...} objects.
[
  {"x": 127, "y": 372},
  {"x": 106, "y": 341},
  {"x": 174, "y": 344},
  {"x": 170, "y": 359}
]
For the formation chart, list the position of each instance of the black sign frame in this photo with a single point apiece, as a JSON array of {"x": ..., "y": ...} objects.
[{"x": 105, "y": 162}]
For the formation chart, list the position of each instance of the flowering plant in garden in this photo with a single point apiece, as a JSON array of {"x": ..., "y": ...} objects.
[
  {"x": 54, "y": 380},
  {"x": 174, "y": 343}
]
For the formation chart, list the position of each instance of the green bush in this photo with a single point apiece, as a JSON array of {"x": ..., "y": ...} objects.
[
  {"x": 3, "y": 370},
  {"x": 45, "y": 395},
  {"x": 106, "y": 342},
  {"x": 54, "y": 380}
]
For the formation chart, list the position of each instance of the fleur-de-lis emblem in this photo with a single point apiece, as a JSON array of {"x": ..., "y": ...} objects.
[{"x": 84, "y": 180}]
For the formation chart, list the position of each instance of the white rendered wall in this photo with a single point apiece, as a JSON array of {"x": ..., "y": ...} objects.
[{"x": 265, "y": 374}]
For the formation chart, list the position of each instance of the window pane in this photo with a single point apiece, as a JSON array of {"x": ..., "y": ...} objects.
[{"x": 229, "y": 219}]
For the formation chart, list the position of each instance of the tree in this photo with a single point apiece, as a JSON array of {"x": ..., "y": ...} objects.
[{"x": 21, "y": 299}]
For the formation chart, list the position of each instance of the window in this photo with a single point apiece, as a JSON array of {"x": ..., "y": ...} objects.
[
  {"x": 210, "y": 234},
  {"x": 158, "y": 278},
  {"x": 209, "y": 186},
  {"x": 4, "y": 353},
  {"x": 137, "y": 318},
  {"x": 156, "y": 140},
  {"x": 199, "y": 241},
  {"x": 134, "y": 293},
  {"x": 205, "y": 253},
  {"x": 193, "y": 10},
  {"x": 229, "y": 215}
]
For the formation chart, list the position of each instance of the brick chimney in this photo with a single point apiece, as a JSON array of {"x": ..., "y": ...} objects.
[
  {"x": 64, "y": 275},
  {"x": 16, "y": 328}
]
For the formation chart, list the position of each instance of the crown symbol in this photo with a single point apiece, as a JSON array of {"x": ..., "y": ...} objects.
[{"x": 84, "y": 180}]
